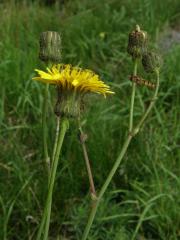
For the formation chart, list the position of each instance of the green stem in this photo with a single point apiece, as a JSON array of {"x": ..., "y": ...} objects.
[
  {"x": 132, "y": 133},
  {"x": 63, "y": 128},
  {"x": 47, "y": 210},
  {"x": 133, "y": 97},
  {"x": 45, "y": 145},
  {"x": 44, "y": 217},
  {"x": 56, "y": 138}
]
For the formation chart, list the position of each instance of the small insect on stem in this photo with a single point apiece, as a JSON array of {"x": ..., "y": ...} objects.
[{"x": 142, "y": 82}]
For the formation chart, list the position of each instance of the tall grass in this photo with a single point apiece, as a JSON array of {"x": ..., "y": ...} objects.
[{"x": 143, "y": 200}]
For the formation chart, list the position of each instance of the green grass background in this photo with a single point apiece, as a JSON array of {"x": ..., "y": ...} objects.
[{"x": 143, "y": 198}]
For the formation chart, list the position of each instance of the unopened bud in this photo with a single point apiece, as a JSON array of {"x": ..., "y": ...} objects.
[
  {"x": 151, "y": 62},
  {"x": 50, "y": 47},
  {"x": 137, "y": 42}
]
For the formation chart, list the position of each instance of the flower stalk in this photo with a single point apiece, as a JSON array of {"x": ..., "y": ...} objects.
[
  {"x": 133, "y": 96},
  {"x": 44, "y": 127},
  {"x": 64, "y": 125},
  {"x": 44, "y": 219}
]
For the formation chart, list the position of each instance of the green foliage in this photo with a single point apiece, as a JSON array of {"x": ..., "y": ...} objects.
[{"x": 143, "y": 200}]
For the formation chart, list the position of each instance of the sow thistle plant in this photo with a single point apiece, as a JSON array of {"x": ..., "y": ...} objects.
[{"x": 72, "y": 84}]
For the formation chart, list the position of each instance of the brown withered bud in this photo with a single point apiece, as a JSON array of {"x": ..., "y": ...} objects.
[
  {"x": 50, "y": 47},
  {"x": 137, "y": 42},
  {"x": 151, "y": 62}
]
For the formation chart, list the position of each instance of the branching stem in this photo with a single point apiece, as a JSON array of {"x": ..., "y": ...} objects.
[{"x": 132, "y": 133}]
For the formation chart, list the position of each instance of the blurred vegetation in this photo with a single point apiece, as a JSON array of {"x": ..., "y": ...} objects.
[{"x": 143, "y": 200}]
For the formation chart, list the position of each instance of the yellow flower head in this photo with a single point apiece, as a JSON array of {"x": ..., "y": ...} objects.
[
  {"x": 72, "y": 84},
  {"x": 75, "y": 79}
]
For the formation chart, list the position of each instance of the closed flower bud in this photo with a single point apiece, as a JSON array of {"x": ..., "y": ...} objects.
[
  {"x": 137, "y": 42},
  {"x": 151, "y": 62},
  {"x": 50, "y": 47}
]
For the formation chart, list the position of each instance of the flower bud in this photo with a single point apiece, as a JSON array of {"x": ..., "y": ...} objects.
[
  {"x": 151, "y": 62},
  {"x": 50, "y": 47},
  {"x": 137, "y": 42}
]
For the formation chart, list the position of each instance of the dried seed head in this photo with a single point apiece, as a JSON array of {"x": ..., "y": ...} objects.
[
  {"x": 151, "y": 62},
  {"x": 50, "y": 47},
  {"x": 137, "y": 42}
]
